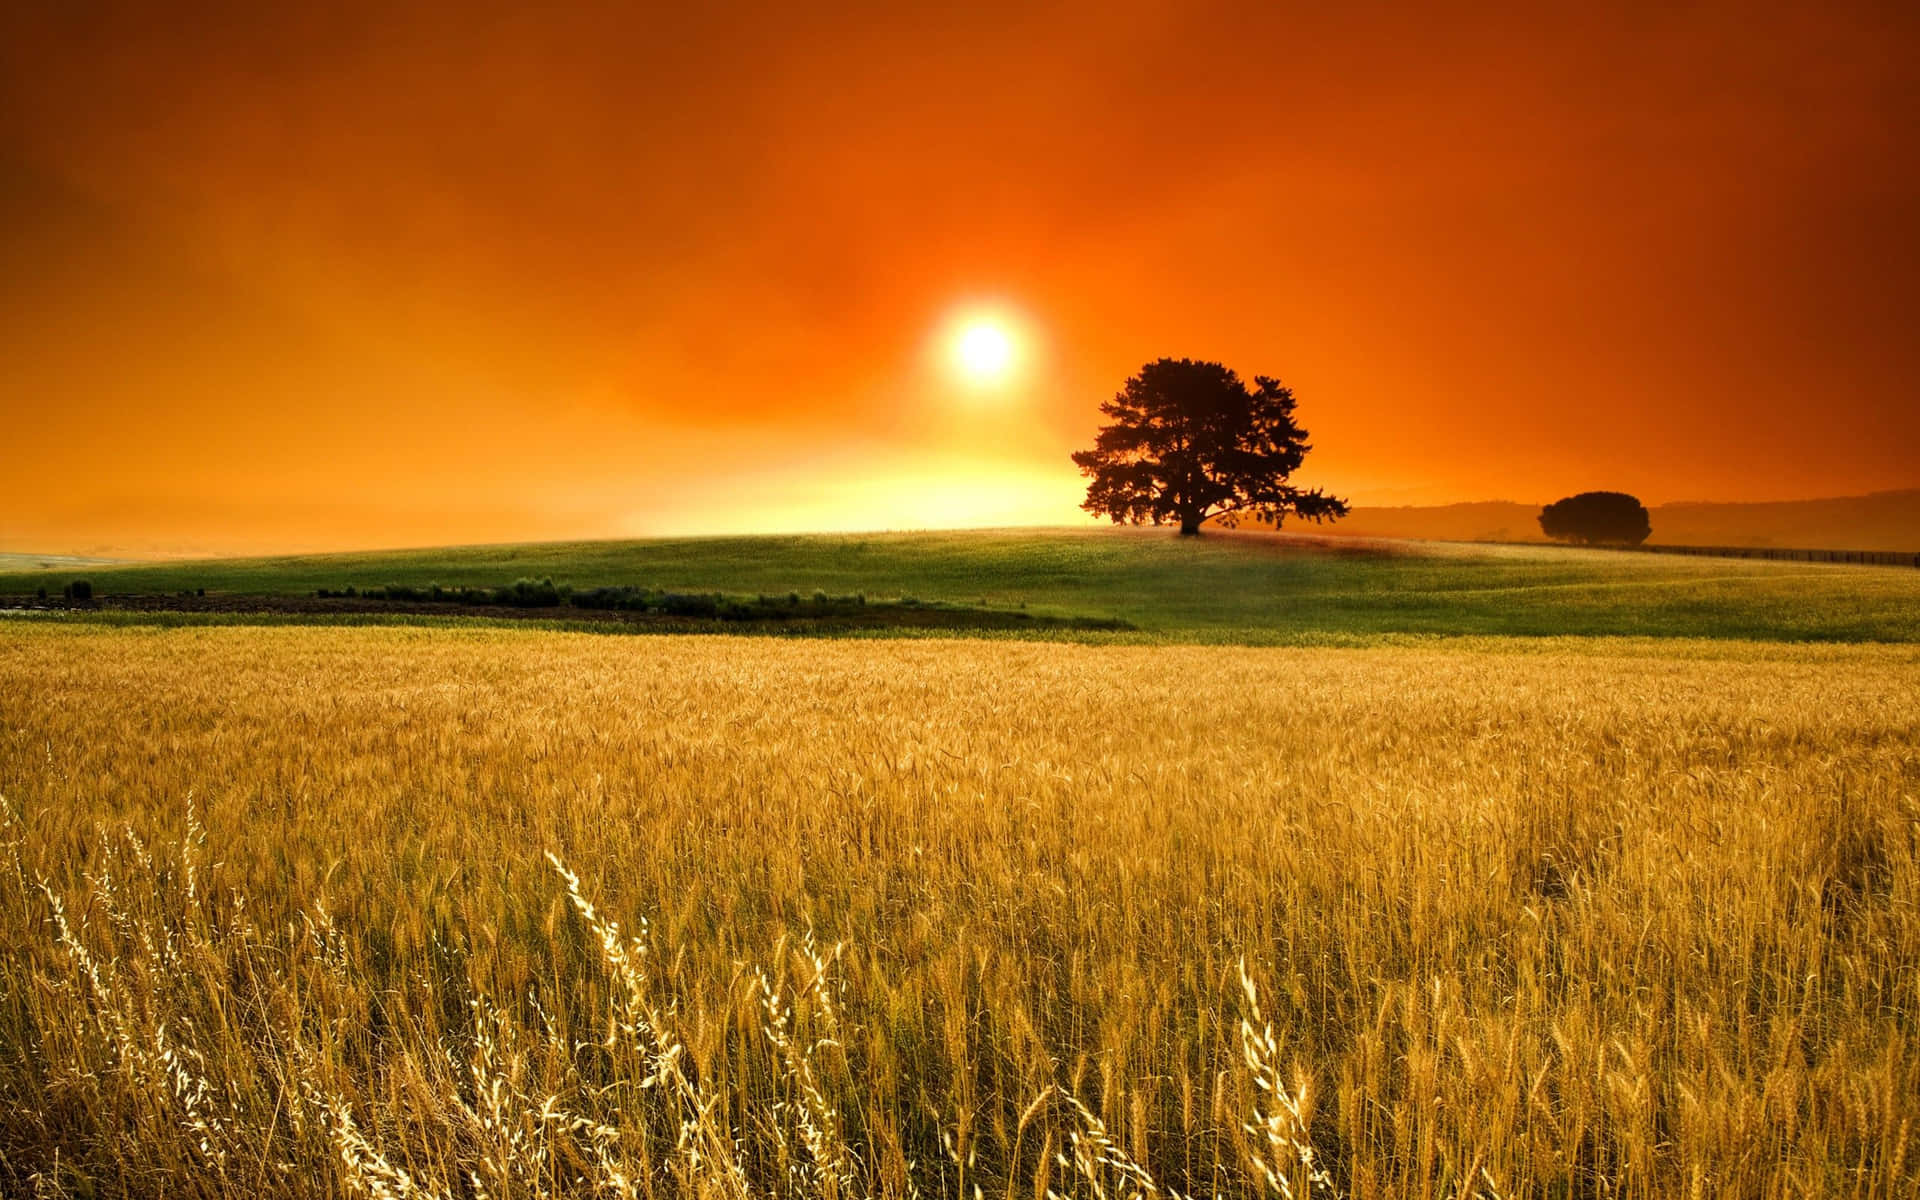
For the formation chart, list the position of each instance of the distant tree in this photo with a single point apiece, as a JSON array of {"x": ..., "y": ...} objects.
[
  {"x": 1189, "y": 441},
  {"x": 1593, "y": 517}
]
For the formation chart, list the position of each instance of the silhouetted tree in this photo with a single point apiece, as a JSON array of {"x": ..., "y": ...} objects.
[
  {"x": 1597, "y": 517},
  {"x": 1189, "y": 441}
]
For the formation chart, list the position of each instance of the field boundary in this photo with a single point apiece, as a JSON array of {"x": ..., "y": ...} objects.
[
  {"x": 1861, "y": 558},
  {"x": 1864, "y": 558}
]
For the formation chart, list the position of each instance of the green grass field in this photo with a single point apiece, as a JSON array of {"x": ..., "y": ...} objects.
[{"x": 1250, "y": 588}]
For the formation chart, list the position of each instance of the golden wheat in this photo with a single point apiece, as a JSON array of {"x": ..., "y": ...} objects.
[{"x": 412, "y": 913}]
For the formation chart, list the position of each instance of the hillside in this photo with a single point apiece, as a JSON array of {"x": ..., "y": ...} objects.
[
  {"x": 1238, "y": 587},
  {"x": 1880, "y": 521},
  {"x": 1479, "y": 521}
]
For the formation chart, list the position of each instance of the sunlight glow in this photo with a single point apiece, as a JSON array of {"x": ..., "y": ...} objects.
[{"x": 984, "y": 349}]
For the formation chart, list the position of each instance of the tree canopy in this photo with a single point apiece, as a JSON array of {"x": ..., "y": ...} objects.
[
  {"x": 1188, "y": 441},
  {"x": 1596, "y": 517}
]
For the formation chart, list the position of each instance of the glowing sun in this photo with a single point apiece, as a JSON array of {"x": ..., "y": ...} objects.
[{"x": 983, "y": 349}]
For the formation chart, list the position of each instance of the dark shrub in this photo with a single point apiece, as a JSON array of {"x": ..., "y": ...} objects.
[
  {"x": 80, "y": 589},
  {"x": 619, "y": 599},
  {"x": 676, "y": 604},
  {"x": 1593, "y": 517},
  {"x": 529, "y": 593}
]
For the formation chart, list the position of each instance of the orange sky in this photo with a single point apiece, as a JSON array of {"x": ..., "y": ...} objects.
[{"x": 278, "y": 280}]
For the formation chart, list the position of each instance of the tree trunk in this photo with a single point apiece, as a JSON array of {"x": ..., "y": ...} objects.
[{"x": 1190, "y": 526}]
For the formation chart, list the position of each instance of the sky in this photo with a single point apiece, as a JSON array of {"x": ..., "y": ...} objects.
[{"x": 278, "y": 277}]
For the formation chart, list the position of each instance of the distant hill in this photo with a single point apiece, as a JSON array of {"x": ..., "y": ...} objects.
[
  {"x": 1879, "y": 521},
  {"x": 1480, "y": 521}
]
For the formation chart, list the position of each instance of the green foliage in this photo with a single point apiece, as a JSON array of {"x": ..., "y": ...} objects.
[
  {"x": 524, "y": 593},
  {"x": 529, "y": 593},
  {"x": 675, "y": 604},
  {"x": 614, "y": 599}
]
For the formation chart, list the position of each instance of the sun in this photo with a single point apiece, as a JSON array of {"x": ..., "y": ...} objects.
[{"x": 984, "y": 349}]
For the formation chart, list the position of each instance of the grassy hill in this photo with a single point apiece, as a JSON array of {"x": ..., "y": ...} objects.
[{"x": 1245, "y": 587}]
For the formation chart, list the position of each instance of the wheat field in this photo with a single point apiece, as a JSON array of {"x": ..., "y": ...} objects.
[{"x": 429, "y": 913}]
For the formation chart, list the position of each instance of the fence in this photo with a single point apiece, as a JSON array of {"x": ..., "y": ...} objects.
[{"x": 1867, "y": 558}]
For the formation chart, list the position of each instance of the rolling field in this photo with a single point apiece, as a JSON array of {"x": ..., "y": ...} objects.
[
  {"x": 1237, "y": 588},
  {"x": 431, "y": 912}
]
